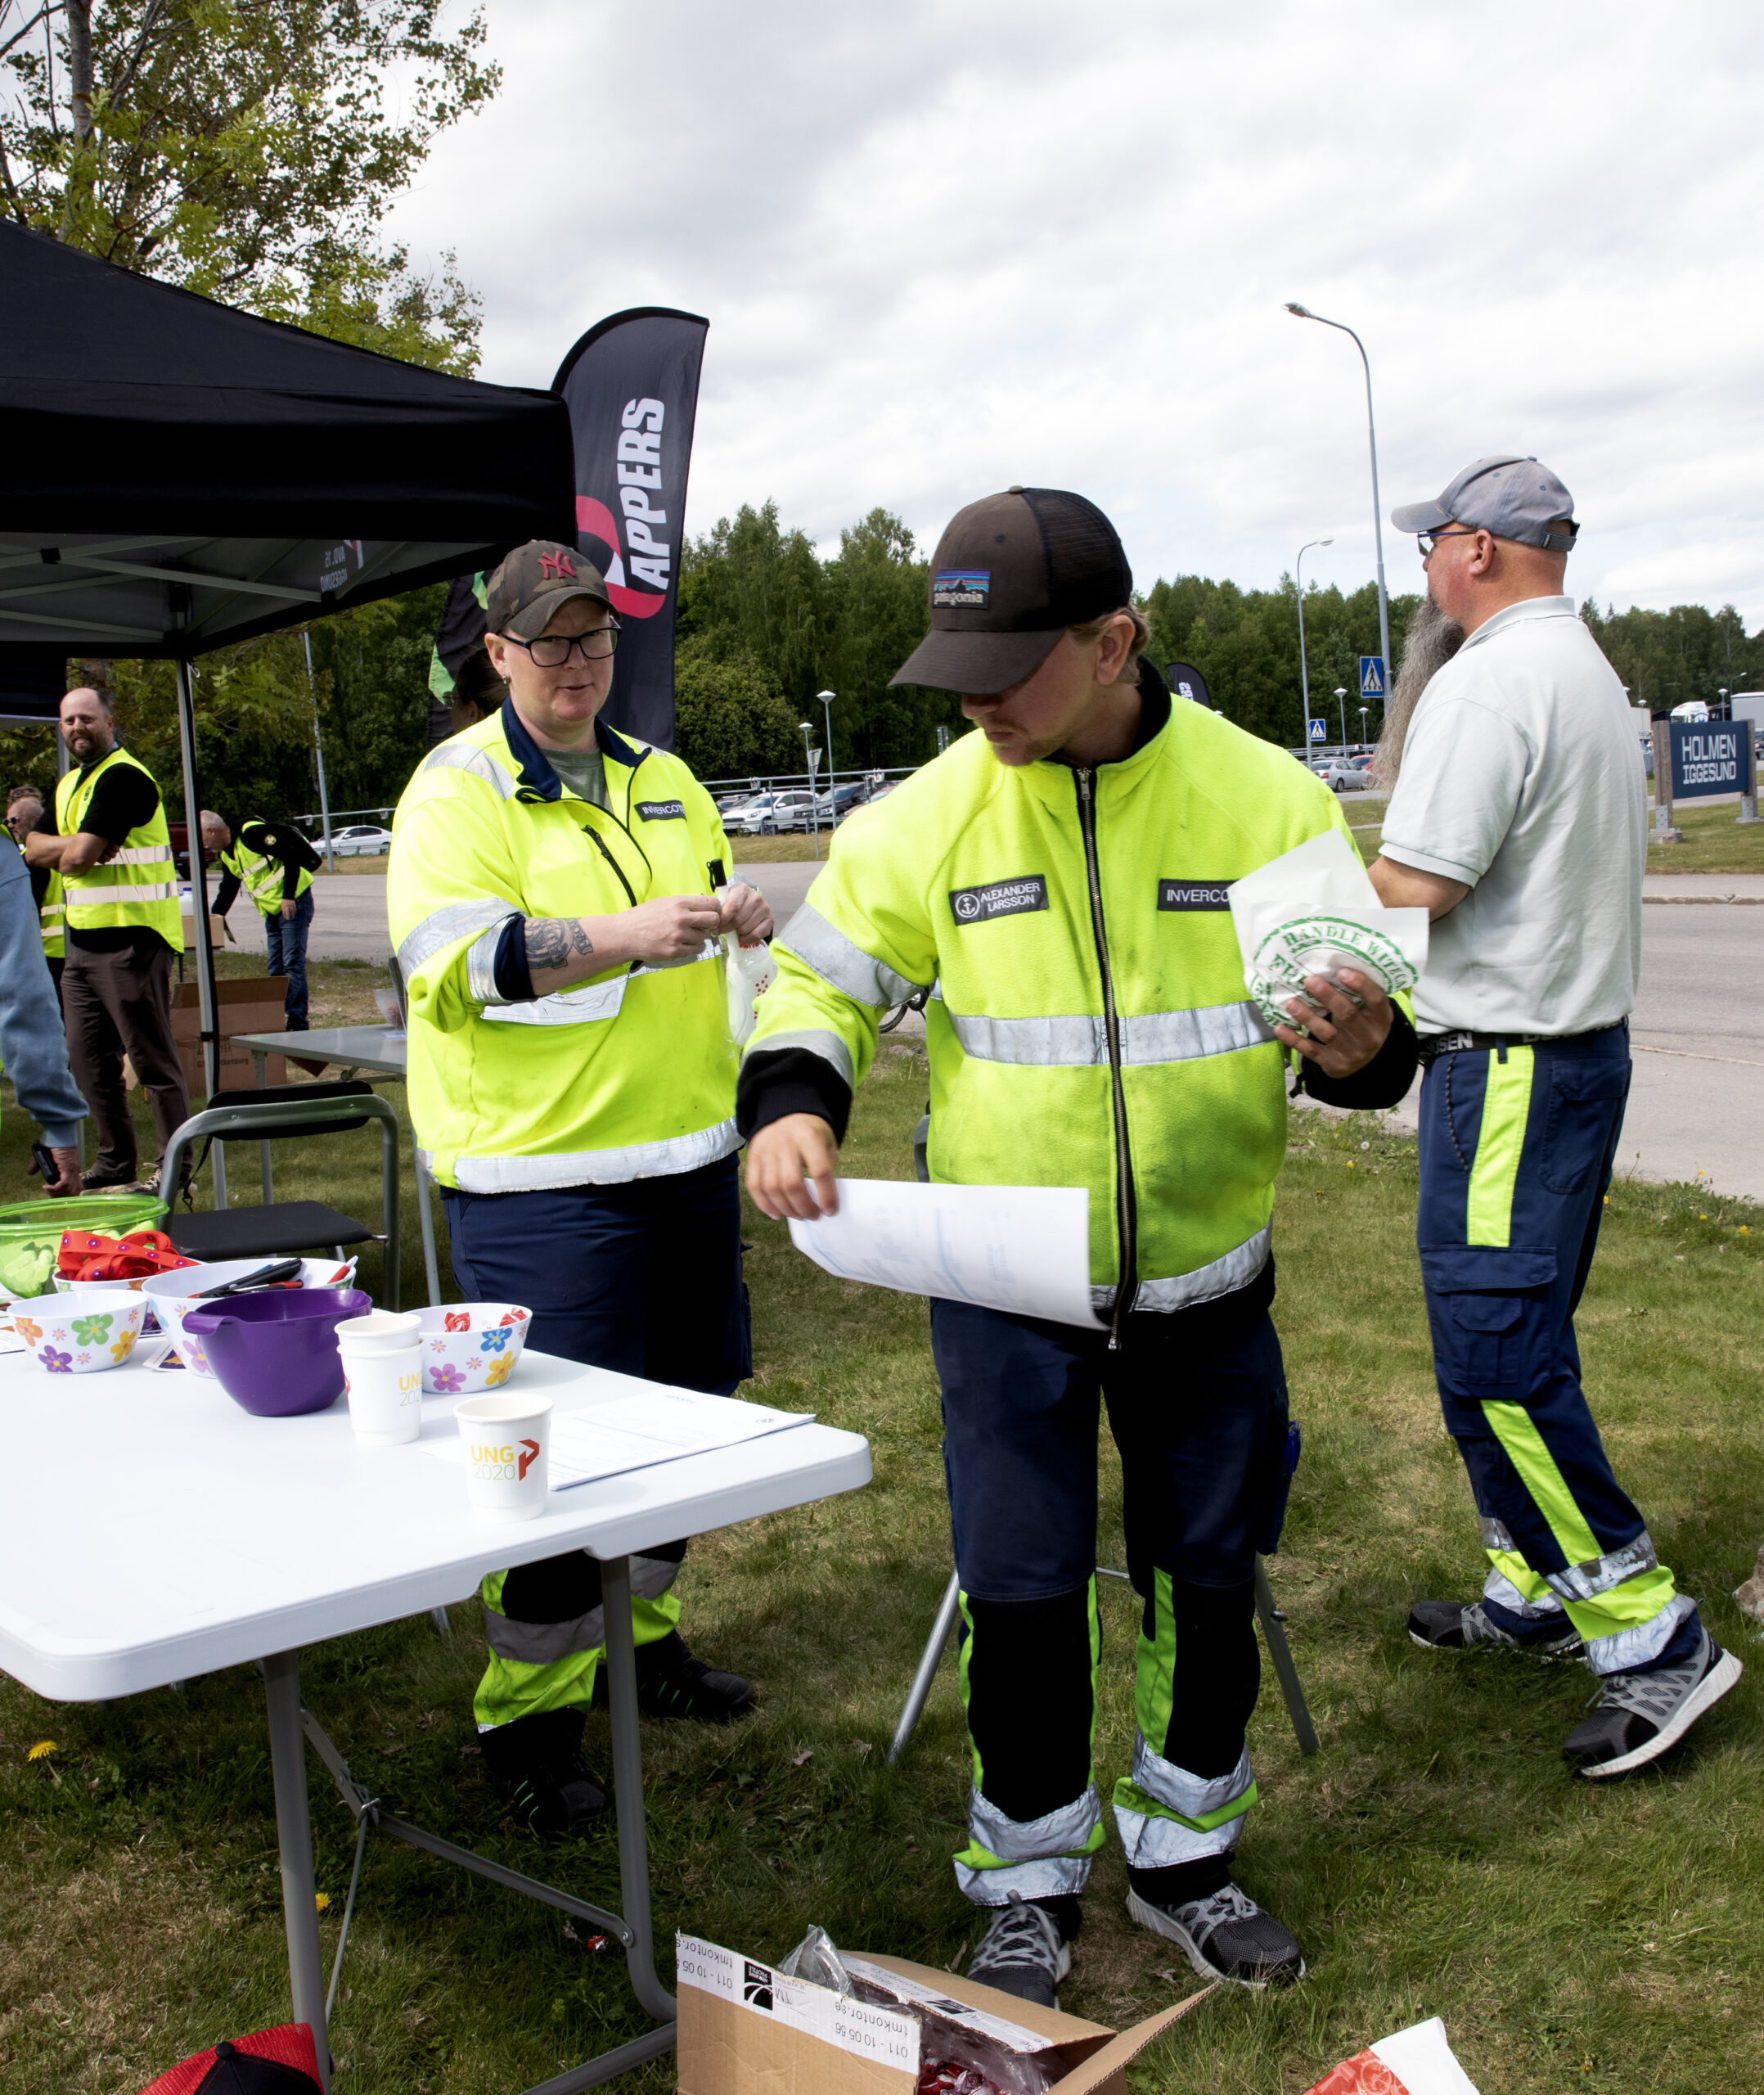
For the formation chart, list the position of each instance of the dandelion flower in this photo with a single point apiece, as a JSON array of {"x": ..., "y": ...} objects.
[
  {"x": 321, "y": 1900},
  {"x": 43, "y": 1749}
]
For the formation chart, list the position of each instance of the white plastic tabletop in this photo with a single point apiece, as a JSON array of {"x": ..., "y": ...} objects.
[
  {"x": 350, "y": 1046},
  {"x": 151, "y": 1530}
]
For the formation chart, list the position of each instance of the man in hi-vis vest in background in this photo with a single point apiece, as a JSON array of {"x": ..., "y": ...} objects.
[
  {"x": 273, "y": 862},
  {"x": 119, "y": 888}
]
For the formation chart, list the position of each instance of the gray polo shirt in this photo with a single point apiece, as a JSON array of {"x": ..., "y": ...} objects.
[{"x": 1522, "y": 776}]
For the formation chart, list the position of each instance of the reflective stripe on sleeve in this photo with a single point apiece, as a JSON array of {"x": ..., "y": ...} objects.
[
  {"x": 843, "y": 962},
  {"x": 813, "y": 1041},
  {"x": 439, "y": 931},
  {"x": 1080, "y": 1039},
  {"x": 450, "y": 756},
  {"x": 562, "y": 1006},
  {"x": 1223, "y": 1275},
  {"x": 594, "y": 1167}
]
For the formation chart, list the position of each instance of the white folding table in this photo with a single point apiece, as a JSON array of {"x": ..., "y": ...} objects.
[{"x": 116, "y": 1576}]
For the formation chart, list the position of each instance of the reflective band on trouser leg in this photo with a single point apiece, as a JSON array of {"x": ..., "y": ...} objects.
[
  {"x": 1506, "y": 1106},
  {"x": 1165, "y": 1814},
  {"x": 1511, "y": 1583},
  {"x": 1035, "y": 1857},
  {"x": 1624, "y": 1602},
  {"x": 535, "y": 1666}
]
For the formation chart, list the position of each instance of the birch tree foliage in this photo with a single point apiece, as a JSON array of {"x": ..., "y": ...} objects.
[{"x": 247, "y": 150}]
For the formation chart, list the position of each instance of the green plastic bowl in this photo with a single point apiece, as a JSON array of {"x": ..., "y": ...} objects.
[{"x": 30, "y": 1234}]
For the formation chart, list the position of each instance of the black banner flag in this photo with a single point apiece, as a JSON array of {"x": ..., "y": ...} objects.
[{"x": 631, "y": 385}]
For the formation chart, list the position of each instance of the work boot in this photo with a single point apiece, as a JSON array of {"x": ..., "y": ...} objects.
[
  {"x": 123, "y": 1178},
  {"x": 1025, "y": 1950},
  {"x": 1465, "y": 1626},
  {"x": 1637, "y": 1716},
  {"x": 1225, "y": 1935},
  {"x": 671, "y": 1683},
  {"x": 537, "y": 1762}
]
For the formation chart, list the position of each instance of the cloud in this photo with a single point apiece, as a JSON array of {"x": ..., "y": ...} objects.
[{"x": 943, "y": 248}]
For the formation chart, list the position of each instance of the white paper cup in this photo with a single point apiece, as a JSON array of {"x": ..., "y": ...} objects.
[
  {"x": 507, "y": 1441},
  {"x": 380, "y": 1331},
  {"x": 384, "y": 1387}
]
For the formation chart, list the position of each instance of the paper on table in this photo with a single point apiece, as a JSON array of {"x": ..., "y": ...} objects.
[
  {"x": 1020, "y": 1248},
  {"x": 1314, "y": 910},
  {"x": 636, "y": 1433}
]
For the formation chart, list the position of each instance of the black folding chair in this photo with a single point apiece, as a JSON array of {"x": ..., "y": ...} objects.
[{"x": 280, "y": 1113}]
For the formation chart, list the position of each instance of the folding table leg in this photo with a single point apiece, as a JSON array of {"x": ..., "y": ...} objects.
[
  {"x": 627, "y": 1784},
  {"x": 1274, "y": 1634},
  {"x": 426, "y": 1215},
  {"x": 928, "y": 1664},
  {"x": 293, "y": 1835}
]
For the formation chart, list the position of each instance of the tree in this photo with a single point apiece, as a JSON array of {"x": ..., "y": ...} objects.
[
  {"x": 878, "y": 588},
  {"x": 1669, "y": 658},
  {"x": 730, "y": 719},
  {"x": 245, "y": 150}
]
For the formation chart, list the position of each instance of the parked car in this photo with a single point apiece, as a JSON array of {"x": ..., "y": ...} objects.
[
  {"x": 360, "y": 840},
  {"x": 770, "y": 814},
  {"x": 1338, "y": 777}
]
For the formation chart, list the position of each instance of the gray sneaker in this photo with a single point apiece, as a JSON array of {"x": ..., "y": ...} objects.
[
  {"x": 1637, "y": 1716},
  {"x": 1226, "y": 1937},
  {"x": 1021, "y": 1952},
  {"x": 1465, "y": 1626}
]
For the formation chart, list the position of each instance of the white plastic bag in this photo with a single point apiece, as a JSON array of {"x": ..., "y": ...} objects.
[
  {"x": 749, "y": 972},
  {"x": 1313, "y": 911}
]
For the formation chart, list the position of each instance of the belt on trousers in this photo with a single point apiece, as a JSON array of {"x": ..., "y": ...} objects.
[{"x": 1433, "y": 1045}]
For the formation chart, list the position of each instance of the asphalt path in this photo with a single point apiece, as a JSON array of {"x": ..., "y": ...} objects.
[{"x": 1697, "y": 1103}]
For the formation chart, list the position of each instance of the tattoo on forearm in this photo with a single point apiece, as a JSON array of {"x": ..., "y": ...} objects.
[{"x": 555, "y": 941}]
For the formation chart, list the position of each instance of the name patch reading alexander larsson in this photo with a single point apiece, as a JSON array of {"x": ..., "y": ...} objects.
[{"x": 980, "y": 905}]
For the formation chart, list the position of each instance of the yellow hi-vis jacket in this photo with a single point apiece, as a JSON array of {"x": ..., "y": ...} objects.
[
  {"x": 1087, "y": 1024},
  {"x": 53, "y": 915},
  {"x": 628, "y": 1074},
  {"x": 262, "y": 879},
  {"x": 138, "y": 884}
]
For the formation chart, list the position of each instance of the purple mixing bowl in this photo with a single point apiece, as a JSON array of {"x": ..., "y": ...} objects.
[{"x": 275, "y": 1353}]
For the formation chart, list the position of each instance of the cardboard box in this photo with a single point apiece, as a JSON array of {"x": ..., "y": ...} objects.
[
  {"x": 253, "y": 1005},
  {"x": 220, "y": 933},
  {"x": 746, "y": 2030}
]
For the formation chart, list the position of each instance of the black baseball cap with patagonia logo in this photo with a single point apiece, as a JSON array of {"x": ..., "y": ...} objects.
[
  {"x": 523, "y": 595},
  {"x": 1009, "y": 575}
]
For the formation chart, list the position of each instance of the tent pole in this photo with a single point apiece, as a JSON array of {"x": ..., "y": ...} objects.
[
  {"x": 208, "y": 998},
  {"x": 318, "y": 750}
]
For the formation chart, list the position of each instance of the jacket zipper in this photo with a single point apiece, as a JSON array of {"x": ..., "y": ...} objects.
[{"x": 1125, "y": 1215}]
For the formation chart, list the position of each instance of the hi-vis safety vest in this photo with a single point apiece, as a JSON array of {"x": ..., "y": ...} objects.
[
  {"x": 53, "y": 914},
  {"x": 136, "y": 886},
  {"x": 261, "y": 878},
  {"x": 628, "y": 1075},
  {"x": 1087, "y": 1025}
]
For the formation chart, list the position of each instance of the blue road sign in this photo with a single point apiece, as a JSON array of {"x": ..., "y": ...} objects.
[
  {"x": 1319, "y": 731},
  {"x": 1371, "y": 676},
  {"x": 1713, "y": 756}
]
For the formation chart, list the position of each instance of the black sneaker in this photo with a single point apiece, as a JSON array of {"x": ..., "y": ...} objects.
[
  {"x": 1637, "y": 1716},
  {"x": 537, "y": 1760},
  {"x": 1462, "y": 1626},
  {"x": 1226, "y": 1937},
  {"x": 671, "y": 1683},
  {"x": 1023, "y": 1952},
  {"x": 111, "y": 1181}
]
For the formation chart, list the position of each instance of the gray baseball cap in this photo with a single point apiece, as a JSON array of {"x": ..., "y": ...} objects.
[{"x": 1511, "y": 498}]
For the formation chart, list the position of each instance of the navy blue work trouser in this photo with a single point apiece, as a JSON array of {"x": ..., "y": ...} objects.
[
  {"x": 1517, "y": 1149},
  {"x": 286, "y": 938}
]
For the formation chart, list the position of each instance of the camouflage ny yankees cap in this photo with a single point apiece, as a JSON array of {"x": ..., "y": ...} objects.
[
  {"x": 1009, "y": 575},
  {"x": 533, "y": 583}
]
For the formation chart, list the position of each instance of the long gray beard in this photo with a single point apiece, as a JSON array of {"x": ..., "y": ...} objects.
[{"x": 1432, "y": 640}]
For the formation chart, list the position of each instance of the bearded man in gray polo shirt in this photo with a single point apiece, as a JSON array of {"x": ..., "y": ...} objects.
[{"x": 1519, "y": 821}]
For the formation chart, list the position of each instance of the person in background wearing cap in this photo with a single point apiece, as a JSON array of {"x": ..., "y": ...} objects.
[
  {"x": 572, "y": 1083},
  {"x": 1061, "y": 877},
  {"x": 1519, "y": 821},
  {"x": 275, "y": 865}
]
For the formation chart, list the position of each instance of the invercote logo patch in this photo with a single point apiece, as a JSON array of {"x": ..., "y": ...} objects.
[
  {"x": 1193, "y": 894},
  {"x": 956, "y": 587},
  {"x": 978, "y": 905},
  {"x": 662, "y": 810}
]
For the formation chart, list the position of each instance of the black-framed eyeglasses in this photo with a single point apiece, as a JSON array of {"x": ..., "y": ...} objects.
[
  {"x": 551, "y": 651},
  {"x": 1427, "y": 540}
]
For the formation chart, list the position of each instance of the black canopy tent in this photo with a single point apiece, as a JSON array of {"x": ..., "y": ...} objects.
[{"x": 175, "y": 475}]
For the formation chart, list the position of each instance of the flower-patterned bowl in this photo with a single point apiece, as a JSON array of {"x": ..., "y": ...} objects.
[
  {"x": 82, "y": 1332},
  {"x": 468, "y": 1347},
  {"x": 172, "y": 1294}
]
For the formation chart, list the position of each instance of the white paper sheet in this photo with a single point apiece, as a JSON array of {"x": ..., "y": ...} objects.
[
  {"x": 1025, "y": 1249},
  {"x": 636, "y": 1433},
  {"x": 1314, "y": 910}
]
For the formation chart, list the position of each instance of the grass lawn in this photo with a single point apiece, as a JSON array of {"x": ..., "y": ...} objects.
[
  {"x": 1714, "y": 843},
  {"x": 1434, "y": 1856},
  {"x": 776, "y": 850}
]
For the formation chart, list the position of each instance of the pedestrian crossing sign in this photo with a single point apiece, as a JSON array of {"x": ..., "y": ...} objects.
[
  {"x": 1319, "y": 730},
  {"x": 1371, "y": 676}
]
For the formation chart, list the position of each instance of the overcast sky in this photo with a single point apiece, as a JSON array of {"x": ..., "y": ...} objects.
[{"x": 948, "y": 244}]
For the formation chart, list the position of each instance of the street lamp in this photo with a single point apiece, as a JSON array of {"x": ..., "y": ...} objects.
[
  {"x": 1364, "y": 710},
  {"x": 1304, "y": 312},
  {"x": 1304, "y": 673},
  {"x": 1341, "y": 707},
  {"x": 826, "y": 698},
  {"x": 808, "y": 761}
]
